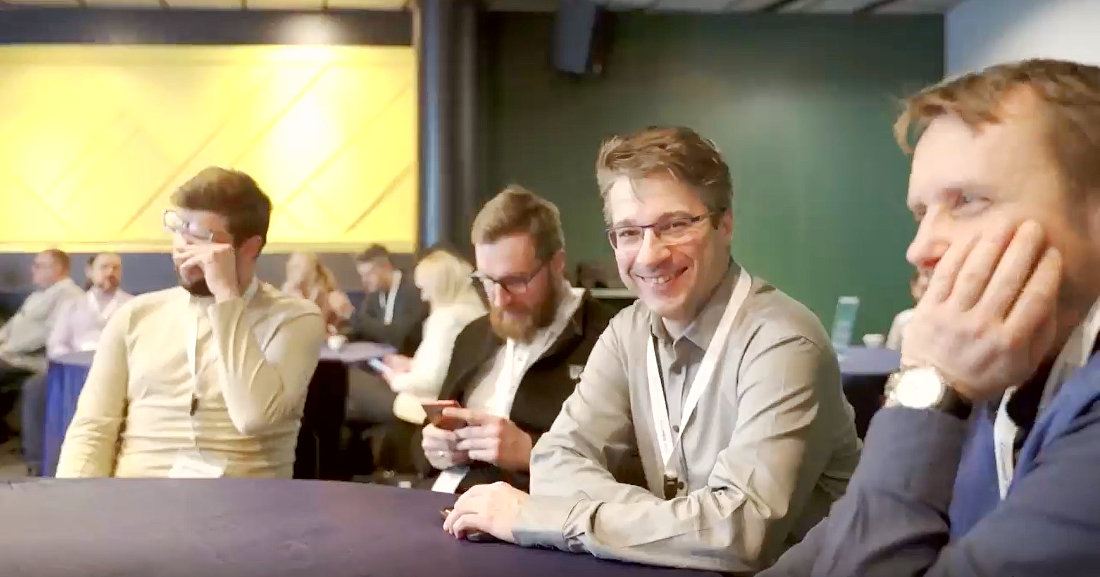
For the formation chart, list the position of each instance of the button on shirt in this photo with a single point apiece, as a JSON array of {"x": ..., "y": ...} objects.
[{"x": 770, "y": 446}]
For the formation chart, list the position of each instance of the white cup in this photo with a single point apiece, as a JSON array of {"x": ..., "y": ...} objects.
[
  {"x": 336, "y": 342},
  {"x": 874, "y": 341}
]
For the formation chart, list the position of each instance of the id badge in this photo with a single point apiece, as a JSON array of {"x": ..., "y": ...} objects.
[
  {"x": 448, "y": 481},
  {"x": 195, "y": 465}
]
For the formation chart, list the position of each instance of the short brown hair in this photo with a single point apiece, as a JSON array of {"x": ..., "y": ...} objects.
[
  {"x": 518, "y": 210},
  {"x": 232, "y": 194},
  {"x": 1068, "y": 93},
  {"x": 373, "y": 253},
  {"x": 59, "y": 256},
  {"x": 676, "y": 151}
]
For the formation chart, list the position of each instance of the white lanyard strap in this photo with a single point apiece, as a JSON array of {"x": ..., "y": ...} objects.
[
  {"x": 391, "y": 298},
  {"x": 666, "y": 438},
  {"x": 104, "y": 312}
]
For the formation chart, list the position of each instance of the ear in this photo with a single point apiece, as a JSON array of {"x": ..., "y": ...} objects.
[
  {"x": 251, "y": 248},
  {"x": 557, "y": 263},
  {"x": 725, "y": 226}
]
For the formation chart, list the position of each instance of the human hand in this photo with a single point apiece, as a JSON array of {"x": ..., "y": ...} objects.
[
  {"x": 218, "y": 265},
  {"x": 398, "y": 363},
  {"x": 487, "y": 508},
  {"x": 439, "y": 448},
  {"x": 987, "y": 320},
  {"x": 492, "y": 439}
]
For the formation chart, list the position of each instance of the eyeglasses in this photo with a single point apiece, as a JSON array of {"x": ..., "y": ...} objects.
[
  {"x": 516, "y": 284},
  {"x": 669, "y": 231},
  {"x": 174, "y": 223}
]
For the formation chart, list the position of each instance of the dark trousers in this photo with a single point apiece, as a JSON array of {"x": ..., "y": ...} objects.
[
  {"x": 373, "y": 428},
  {"x": 11, "y": 380},
  {"x": 34, "y": 420}
]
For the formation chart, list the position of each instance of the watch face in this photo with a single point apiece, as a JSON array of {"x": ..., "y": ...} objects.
[{"x": 919, "y": 388}]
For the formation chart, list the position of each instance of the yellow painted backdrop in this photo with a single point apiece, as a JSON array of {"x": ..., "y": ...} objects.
[{"x": 93, "y": 140}]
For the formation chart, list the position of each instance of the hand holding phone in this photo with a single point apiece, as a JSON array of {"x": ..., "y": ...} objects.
[{"x": 434, "y": 410}]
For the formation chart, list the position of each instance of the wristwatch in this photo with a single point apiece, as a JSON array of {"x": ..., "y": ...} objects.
[{"x": 925, "y": 388}]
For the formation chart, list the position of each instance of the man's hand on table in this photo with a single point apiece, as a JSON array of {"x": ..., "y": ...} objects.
[
  {"x": 987, "y": 320},
  {"x": 487, "y": 508},
  {"x": 493, "y": 439}
]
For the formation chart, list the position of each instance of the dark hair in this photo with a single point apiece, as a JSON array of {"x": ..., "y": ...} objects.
[
  {"x": 373, "y": 253},
  {"x": 232, "y": 194}
]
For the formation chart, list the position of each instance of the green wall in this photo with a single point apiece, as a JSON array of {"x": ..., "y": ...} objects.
[{"x": 801, "y": 107}]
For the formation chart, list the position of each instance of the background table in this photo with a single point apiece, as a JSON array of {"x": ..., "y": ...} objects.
[
  {"x": 864, "y": 372},
  {"x": 245, "y": 528},
  {"x": 318, "y": 449}
]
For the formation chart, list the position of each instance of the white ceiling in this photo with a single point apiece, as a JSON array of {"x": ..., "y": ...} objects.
[{"x": 709, "y": 6}]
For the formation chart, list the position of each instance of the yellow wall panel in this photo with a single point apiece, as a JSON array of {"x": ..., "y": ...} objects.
[{"x": 94, "y": 139}]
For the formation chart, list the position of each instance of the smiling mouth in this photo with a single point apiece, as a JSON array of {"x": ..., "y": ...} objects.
[{"x": 660, "y": 279}]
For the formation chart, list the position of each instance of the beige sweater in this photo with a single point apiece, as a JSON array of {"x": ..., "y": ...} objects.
[{"x": 254, "y": 357}]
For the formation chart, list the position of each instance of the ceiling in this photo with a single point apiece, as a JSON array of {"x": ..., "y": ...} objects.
[{"x": 708, "y": 6}]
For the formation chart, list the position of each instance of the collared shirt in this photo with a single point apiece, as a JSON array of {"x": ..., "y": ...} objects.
[
  {"x": 771, "y": 444},
  {"x": 255, "y": 359},
  {"x": 487, "y": 395},
  {"x": 23, "y": 337},
  {"x": 81, "y": 322},
  {"x": 386, "y": 300}
]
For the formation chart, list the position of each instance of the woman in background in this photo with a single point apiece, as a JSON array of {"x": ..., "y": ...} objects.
[
  {"x": 444, "y": 282},
  {"x": 308, "y": 278}
]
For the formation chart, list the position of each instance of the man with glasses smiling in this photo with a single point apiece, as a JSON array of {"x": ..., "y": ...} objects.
[
  {"x": 512, "y": 369},
  {"x": 727, "y": 388},
  {"x": 207, "y": 379}
]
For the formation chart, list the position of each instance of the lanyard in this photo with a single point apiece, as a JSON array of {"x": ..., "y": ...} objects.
[
  {"x": 387, "y": 300},
  {"x": 666, "y": 438},
  {"x": 1074, "y": 354}
]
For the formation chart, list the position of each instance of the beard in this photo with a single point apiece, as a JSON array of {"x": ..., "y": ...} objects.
[
  {"x": 197, "y": 287},
  {"x": 521, "y": 323}
]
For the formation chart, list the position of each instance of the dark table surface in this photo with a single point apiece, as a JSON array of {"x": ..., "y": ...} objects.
[
  {"x": 864, "y": 372},
  {"x": 244, "y": 528}
]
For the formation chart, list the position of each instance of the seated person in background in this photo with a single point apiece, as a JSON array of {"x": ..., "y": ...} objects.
[
  {"x": 444, "y": 280},
  {"x": 392, "y": 311},
  {"x": 82, "y": 319},
  {"x": 727, "y": 387},
  {"x": 513, "y": 369},
  {"x": 23, "y": 338},
  {"x": 209, "y": 378},
  {"x": 1005, "y": 188},
  {"x": 917, "y": 285},
  {"x": 308, "y": 278}
]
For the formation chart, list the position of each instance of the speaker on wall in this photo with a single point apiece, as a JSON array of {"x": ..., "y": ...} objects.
[{"x": 582, "y": 37}]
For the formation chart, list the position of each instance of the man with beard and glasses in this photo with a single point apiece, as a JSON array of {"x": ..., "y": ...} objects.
[
  {"x": 207, "y": 379},
  {"x": 512, "y": 369},
  {"x": 727, "y": 388}
]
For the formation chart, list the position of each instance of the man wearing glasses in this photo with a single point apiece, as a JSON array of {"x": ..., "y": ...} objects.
[
  {"x": 207, "y": 379},
  {"x": 512, "y": 369},
  {"x": 727, "y": 388}
]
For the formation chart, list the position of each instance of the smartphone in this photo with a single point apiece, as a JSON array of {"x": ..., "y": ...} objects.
[
  {"x": 434, "y": 410},
  {"x": 380, "y": 367},
  {"x": 472, "y": 536}
]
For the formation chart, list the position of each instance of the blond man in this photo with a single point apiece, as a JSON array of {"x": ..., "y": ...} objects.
[{"x": 727, "y": 388}]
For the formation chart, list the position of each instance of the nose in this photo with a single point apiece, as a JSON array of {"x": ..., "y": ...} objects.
[
  {"x": 652, "y": 252},
  {"x": 500, "y": 297},
  {"x": 932, "y": 240}
]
